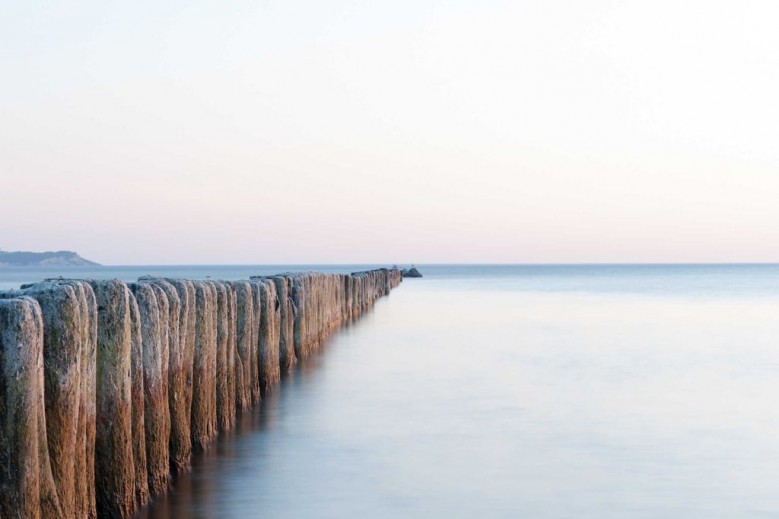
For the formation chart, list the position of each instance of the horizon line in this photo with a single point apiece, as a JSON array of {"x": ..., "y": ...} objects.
[{"x": 400, "y": 264}]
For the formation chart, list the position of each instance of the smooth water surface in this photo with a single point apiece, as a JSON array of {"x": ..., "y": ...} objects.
[{"x": 521, "y": 391}]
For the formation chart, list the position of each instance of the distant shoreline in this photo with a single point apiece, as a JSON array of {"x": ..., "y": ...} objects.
[{"x": 62, "y": 258}]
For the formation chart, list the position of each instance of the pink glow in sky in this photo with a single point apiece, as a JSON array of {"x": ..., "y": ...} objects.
[{"x": 404, "y": 131}]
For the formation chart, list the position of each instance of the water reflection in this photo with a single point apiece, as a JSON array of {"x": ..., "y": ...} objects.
[
  {"x": 201, "y": 492},
  {"x": 638, "y": 394}
]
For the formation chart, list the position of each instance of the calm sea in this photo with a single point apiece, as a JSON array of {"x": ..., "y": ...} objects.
[{"x": 513, "y": 391}]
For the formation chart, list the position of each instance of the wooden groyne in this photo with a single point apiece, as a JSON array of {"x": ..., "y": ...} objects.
[{"x": 107, "y": 387}]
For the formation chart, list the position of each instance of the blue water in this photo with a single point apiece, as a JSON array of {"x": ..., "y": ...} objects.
[{"x": 519, "y": 391}]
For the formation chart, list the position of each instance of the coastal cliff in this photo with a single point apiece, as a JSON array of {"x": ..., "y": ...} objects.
[{"x": 107, "y": 387}]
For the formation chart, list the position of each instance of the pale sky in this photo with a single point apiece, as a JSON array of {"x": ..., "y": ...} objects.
[{"x": 311, "y": 131}]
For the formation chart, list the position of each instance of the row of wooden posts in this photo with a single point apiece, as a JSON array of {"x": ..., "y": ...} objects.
[{"x": 107, "y": 387}]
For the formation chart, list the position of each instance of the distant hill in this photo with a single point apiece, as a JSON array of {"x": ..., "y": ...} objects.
[{"x": 60, "y": 258}]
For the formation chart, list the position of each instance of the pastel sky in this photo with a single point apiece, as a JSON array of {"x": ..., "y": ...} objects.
[{"x": 310, "y": 131}]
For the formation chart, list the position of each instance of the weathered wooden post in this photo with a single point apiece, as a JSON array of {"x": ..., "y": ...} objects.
[
  {"x": 225, "y": 359},
  {"x": 180, "y": 373},
  {"x": 269, "y": 335},
  {"x": 154, "y": 312},
  {"x": 27, "y": 488},
  {"x": 68, "y": 311},
  {"x": 115, "y": 474},
  {"x": 245, "y": 344},
  {"x": 204, "y": 423},
  {"x": 105, "y": 388}
]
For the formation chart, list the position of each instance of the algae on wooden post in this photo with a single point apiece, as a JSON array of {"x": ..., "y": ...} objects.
[
  {"x": 297, "y": 294},
  {"x": 115, "y": 474},
  {"x": 180, "y": 374},
  {"x": 169, "y": 305},
  {"x": 27, "y": 487},
  {"x": 225, "y": 360},
  {"x": 68, "y": 366},
  {"x": 85, "y": 503},
  {"x": 245, "y": 344},
  {"x": 233, "y": 364},
  {"x": 205, "y": 365},
  {"x": 255, "y": 333},
  {"x": 269, "y": 330},
  {"x": 154, "y": 323},
  {"x": 138, "y": 405},
  {"x": 287, "y": 357},
  {"x": 230, "y": 330}
]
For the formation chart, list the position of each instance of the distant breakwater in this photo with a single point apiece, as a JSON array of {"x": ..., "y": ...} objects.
[{"x": 107, "y": 388}]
